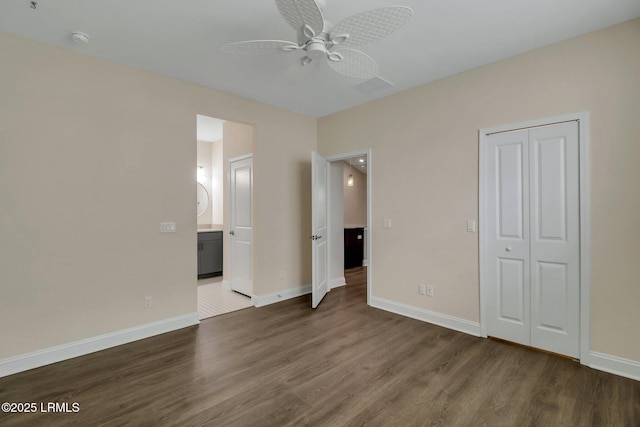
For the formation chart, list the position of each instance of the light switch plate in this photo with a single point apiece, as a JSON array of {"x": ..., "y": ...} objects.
[
  {"x": 386, "y": 223},
  {"x": 167, "y": 227},
  {"x": 471, "y": 226}
]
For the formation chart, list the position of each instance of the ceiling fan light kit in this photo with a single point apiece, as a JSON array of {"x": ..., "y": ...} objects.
[{"x": 317, "y": 39}]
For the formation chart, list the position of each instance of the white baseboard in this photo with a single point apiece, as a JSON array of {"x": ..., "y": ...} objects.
[
  {"x": 226, "y": 285},
  {"x": 615, "y": 365},
  {"x": 336, "y": 283},
  {"x": 262, "y": 300},
  {"x": 24, "y": 362},
  {"x": 460, "y": 325}
]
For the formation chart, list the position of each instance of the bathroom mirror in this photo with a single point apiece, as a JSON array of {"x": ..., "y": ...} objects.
[{"x": 203, "y": 199}]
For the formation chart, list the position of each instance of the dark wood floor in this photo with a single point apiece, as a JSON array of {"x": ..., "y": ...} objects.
[{"x": 342, "y": 364}]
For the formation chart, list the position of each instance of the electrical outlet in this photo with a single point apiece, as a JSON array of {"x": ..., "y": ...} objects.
[
  {"x": 422, "y": 289},
  {"x": 429, "y": 290},
  {"x": 148, "y": 302}
]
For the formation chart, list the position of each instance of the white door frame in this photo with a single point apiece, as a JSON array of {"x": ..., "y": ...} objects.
[
  {"x": 585, "y": 221},
  {"x": 369, "y": 240},
  {"x": 230, "y": 255}
]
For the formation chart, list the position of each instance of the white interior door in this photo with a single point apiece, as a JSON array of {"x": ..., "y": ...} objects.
[
  {"x": 319, "y": 228},
  {"x": 532, "y": 240},
  {"x": 555, "y": 238},
  {"x": 507, "y": 243},
  {"x": 241, "y": 225}
]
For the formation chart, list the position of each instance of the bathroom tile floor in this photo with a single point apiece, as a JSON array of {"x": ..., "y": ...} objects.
[{"x": 214, "y": 300}]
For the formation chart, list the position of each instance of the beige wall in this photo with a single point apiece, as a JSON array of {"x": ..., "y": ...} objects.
[
  {"x": 93, "y": 156},
  {"x": 210, "y": 157},
  {"x": 204, "y": 155},
  {"x": 355, "y": 198},
  {"x": 435, "y": 132},
  {"x": 217, "y": 182}
]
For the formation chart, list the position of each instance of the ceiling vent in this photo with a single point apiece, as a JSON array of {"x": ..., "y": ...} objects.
[{"x": 374, "y": 84}]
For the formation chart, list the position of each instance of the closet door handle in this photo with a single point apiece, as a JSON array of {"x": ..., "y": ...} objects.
[
  {"x": 508, "y": 248},
  {"x": 233, "y": 233}
]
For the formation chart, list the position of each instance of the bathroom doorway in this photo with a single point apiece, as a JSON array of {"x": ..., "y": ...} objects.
[{"x": 218, "y": 141}]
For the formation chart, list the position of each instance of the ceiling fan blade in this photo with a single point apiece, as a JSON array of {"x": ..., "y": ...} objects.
[
  {"x": 372, "y": 25},
  {"x": 254, "y": 47},
  {"x": 299, "y": 13},
  {"x": 355, "y": 64},
  {"x": 300, "y": 68}
]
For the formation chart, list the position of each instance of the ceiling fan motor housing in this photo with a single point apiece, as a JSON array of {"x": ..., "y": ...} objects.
[{"x": 316, "y": 48}]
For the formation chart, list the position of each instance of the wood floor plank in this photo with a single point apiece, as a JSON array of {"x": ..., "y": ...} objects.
[{"x": 342, "y": 364}]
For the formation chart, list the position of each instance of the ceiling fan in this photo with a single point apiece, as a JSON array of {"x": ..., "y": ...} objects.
[{"x": 318, "y": 39}]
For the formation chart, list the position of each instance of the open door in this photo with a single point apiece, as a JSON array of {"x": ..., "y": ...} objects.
[
  {"x": 319, "y": 228},
  {"x": 241, "y": 224}
]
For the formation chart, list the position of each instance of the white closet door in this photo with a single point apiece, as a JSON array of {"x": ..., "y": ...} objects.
[
  {"x": 555, "y": 238},
  {"x": 532, "y": 237},
  {"x": 507, "y": 242}
]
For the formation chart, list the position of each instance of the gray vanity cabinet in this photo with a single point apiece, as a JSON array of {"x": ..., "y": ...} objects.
[{"x": 209, "y": 254}]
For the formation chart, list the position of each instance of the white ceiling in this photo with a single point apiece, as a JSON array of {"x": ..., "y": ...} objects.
[
  {"x": 358, "y": 163},
  {"x": 182, "y": 39}
]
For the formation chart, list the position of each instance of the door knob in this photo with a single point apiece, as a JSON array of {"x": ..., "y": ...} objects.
[
  {"x": 232, "y": 233},
  {"x": 508, "y": 249}
]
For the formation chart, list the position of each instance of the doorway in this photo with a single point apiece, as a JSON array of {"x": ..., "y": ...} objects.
[
  {"x": 354, "y": 186},
  {"x": 218, "y": 141},
  {"x": 349, "y": 219},
  {"x": 534, "y": 234}
]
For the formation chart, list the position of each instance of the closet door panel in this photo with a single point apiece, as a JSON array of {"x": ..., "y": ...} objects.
[
  {"x": 507, "y": 236},
  {"x": 555, "y": 235}
]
